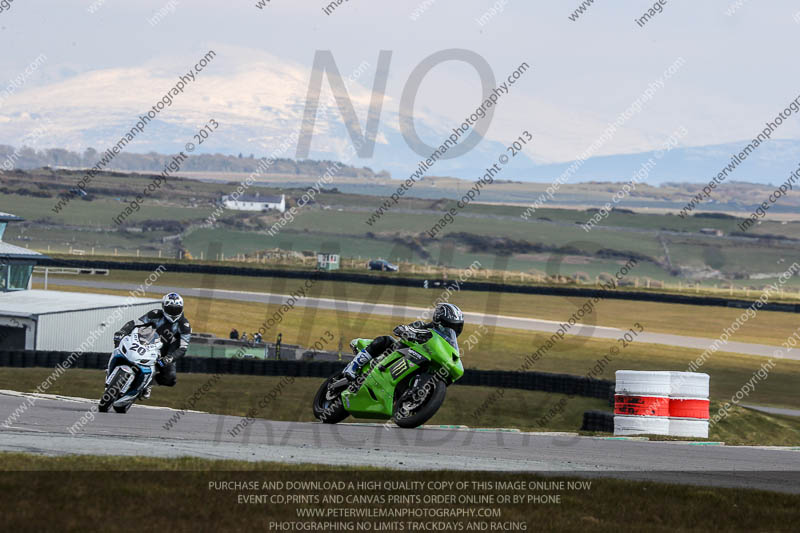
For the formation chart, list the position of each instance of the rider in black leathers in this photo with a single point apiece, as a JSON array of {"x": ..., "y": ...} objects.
[
  {"x": 445, "y": 315},
  {"x": 175, "y": 333}
]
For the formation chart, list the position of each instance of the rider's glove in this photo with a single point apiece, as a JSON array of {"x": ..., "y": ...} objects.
[
  {"x": 164, "y": 361},
  {"x": 411, "y": 333},
  {"x": 403, "y": 331}
]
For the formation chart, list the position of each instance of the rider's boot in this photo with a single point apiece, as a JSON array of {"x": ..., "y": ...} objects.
[
  {"x": 145, "y": 394},
  {"x": 362, "y": 358}
]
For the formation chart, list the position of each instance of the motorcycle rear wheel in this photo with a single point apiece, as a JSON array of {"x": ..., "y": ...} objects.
[{"x": 410, "y": 414}]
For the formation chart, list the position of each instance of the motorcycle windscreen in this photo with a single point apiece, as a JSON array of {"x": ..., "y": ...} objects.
[
  {"x": 147, "y": 335},
  {"x": 450, "y": 336},
  {"x": 443, "y": 347}
]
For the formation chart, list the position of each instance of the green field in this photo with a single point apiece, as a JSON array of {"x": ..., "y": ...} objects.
[
  {"x": 316, "y": 229},
  {"x": 357, "y": 245},
  {"x": 97, "y": 213},
  {"x": 346, "y": 234},
  {"x": 551, "y": 242}
]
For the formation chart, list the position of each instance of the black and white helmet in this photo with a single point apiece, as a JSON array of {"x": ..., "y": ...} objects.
[
  {"x": 172, "y": 305},
  {"x": 449, "y": 316}
]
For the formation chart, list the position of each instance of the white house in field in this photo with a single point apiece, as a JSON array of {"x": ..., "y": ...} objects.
[{"x": 256, "y": 202}]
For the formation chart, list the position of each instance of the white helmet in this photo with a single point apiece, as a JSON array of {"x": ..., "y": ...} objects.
[{"x": 172, "y": 305}]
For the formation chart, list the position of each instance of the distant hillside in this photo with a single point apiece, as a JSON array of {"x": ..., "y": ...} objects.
[
  {"x": 29, "y": 158},
  {"x": 734, "y": 196}
]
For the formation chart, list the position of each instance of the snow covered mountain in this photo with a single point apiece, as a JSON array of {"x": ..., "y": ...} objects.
[{"x": 259, "y": 102}]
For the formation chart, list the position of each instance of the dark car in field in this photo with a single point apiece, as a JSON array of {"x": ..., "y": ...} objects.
[{"x": 383, "y": 265}]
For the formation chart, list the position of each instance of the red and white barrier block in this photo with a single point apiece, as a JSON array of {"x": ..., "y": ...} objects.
[{"x": 661, "y": 403}]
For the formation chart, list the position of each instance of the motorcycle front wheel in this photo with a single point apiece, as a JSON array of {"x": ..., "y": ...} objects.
[
  {"x": 111, "y": 394},
  {"x": 328, "y": 407},
  {"x": 419, "y": 402},
  {"x": 123, "y": 409}
]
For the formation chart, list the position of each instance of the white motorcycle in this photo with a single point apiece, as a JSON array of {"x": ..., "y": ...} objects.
[{"x": 131, "y": 369}]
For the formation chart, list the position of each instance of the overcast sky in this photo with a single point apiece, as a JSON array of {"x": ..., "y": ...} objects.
[{"x": 740, "y": 69}]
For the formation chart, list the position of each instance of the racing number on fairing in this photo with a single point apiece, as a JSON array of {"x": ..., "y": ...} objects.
[{"x": 141, "y": 350}]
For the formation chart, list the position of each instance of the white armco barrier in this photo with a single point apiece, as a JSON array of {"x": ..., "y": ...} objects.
[{"x": 661, "y": 403}]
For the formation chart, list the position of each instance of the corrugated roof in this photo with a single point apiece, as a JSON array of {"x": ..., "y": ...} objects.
[
  {"x": 8, "y": 217},
  {"x": 17, "y": 252},
  {"x": 38, "y": 302}
]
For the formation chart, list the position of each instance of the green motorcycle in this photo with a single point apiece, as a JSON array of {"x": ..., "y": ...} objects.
[{"x": 407, "y": 386}]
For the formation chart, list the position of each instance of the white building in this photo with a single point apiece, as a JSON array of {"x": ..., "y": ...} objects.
[
  {"x": 255, "y": 202},
  {"x": 66, "y": 321},
  {"x": 54, "y": 320},
  {"x": 327, "y": 261}
]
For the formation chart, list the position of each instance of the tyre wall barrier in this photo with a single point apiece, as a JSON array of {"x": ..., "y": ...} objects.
[
  {"x": 598, "y": 421},
  {"x": 538, "y": 381},
  {"x": 661, "y": 403},
  {"x": 416, "y": 282}
]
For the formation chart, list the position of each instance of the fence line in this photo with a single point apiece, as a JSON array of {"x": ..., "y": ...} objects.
[
  {"x": 481, "y": 286},
  {"x": 534, "y": 381}
]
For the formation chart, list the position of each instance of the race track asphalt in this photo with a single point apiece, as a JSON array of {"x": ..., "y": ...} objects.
[
  {"x": 402, "y": 313},
  {"x": 43, "y": 429}
]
